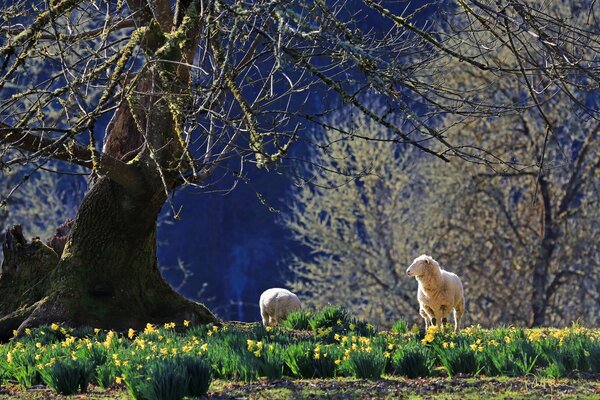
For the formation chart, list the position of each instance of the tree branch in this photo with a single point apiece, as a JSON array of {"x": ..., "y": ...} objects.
[{"x": 116, "y": 170}]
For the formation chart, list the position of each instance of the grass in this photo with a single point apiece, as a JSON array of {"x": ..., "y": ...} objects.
[
  {"x": 335, "y": 356},
  {"x": 389, "y": 387}
]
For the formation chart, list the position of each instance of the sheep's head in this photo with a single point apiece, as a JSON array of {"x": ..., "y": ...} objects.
[{"x": 422, "y": 265}]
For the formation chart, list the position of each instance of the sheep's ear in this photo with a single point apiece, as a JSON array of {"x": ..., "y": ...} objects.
[{"x": 427, "y": 261}]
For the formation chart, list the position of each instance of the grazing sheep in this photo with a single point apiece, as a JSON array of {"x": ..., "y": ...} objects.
[
  {"x": 439, "y": 292},
  {"x": 276, "y": 304}
]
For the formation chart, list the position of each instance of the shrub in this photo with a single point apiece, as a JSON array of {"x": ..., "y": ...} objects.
[
  {"x": 199, "y": 374},
  {"x": 105, "y": 375},
  {"x": 298, "y": 319},
  {"x": 165, "y": 379},
  {"x": 268, "y": 362},
  {"x": 297, "y": 357},
  {"x": 513, "y": 359},
  {"x": 324, "y": 360},
  {"x": 97, "y": 355},
  {"x": 366, "y": 364},
  {"x": 563, "y": 361},
  {"x": 66, "y": 376},
  {"x": 458, "y": 359},
  {"x": 593, "y": 358},
  {"x": 412, "y": 361},
  {"x": 22, "y": 366},
  {"x": 400, "y": 327},
  {"x": 229, "y": 361},
  {"x": 330, "y": 317}
]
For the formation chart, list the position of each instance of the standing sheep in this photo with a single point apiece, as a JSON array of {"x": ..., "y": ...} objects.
[
  {"x": 276, "y": 304},
  {"x": 439, "y": 292}
]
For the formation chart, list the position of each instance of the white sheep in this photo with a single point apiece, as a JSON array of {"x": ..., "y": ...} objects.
[
  {"x": 276, "y": 304},
  {"x": 439, "y": 292}
]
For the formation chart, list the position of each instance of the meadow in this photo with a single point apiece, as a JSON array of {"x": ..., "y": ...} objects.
[{"x": 326, "y": 355}]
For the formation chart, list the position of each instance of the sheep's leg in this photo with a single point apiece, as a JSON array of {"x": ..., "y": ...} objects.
[
  {"x": 458, "y": 313},
  {"x": 264, "y": 315},
  {"x": 425, "y": 316}
]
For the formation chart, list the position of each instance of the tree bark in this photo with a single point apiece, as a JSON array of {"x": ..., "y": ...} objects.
[
  {"x": 541, "y": 267},
  {"x": 107, "y": 276}
]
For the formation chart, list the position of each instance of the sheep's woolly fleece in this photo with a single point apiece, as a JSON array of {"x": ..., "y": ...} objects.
[
  {"x": 439, "y": 292},
  {"x": 276, "y": 304}
]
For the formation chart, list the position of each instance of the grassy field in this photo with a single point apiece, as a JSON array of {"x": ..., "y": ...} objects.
[
  {"x": 389, "y": 387},
  {"x": 326, "y": 355}
]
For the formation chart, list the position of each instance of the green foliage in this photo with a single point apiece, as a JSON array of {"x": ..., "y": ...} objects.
[
  {"x": 366, "y": 364},
  {"x": 400, "y": 327},
  {"x": 105, "y": 375},
  {"x": 68, "y": 375},
  {"x": 458, "y": 359},
  {"x": 412, "y": 361},
  {"x": 268, "y": 362},
  {"x": 309, "y": 360},
  {"x": 298, "y": 357},
  {"x": 161, "y": 363},
  {"x": 165, "y": 380},
  {"x": 299, "y": 319},
  {"x": 594, "y": 357},
  {"x": 229, "y": 361},
  {"x": 199, "y": 374},
  {"x": 22, "y": 366},
  {"x": 324, "y": 360},
  {"x": 517, "y": 358},
  {"x": 330, "y": 317},
  {"x": 563, "y": 361},
  {"x": 332, "y": 320}
]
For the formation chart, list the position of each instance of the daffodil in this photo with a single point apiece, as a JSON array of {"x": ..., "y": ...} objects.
[{"x": 149, "y": 329}]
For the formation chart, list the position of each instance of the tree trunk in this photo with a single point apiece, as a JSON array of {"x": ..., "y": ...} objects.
[
  {"x": 107, "y": 276},
  {"x": 539, "y": 300}
]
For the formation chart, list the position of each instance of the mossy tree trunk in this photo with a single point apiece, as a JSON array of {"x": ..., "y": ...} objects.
[{"x": 106, "y": 277}]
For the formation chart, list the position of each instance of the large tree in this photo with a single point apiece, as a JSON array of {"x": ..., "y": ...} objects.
[{"x": 203, "y": 89}]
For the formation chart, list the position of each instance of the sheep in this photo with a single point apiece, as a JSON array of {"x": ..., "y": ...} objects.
[
  {"x": 276, "y": 304},
  {"x": 439, "y": 292}
]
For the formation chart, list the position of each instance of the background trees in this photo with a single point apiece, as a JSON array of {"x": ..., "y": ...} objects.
[
  {"x": 361, "y": 218},
  {"x": 515, "y": 216},
  {"x": 526, "y": 216}
]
